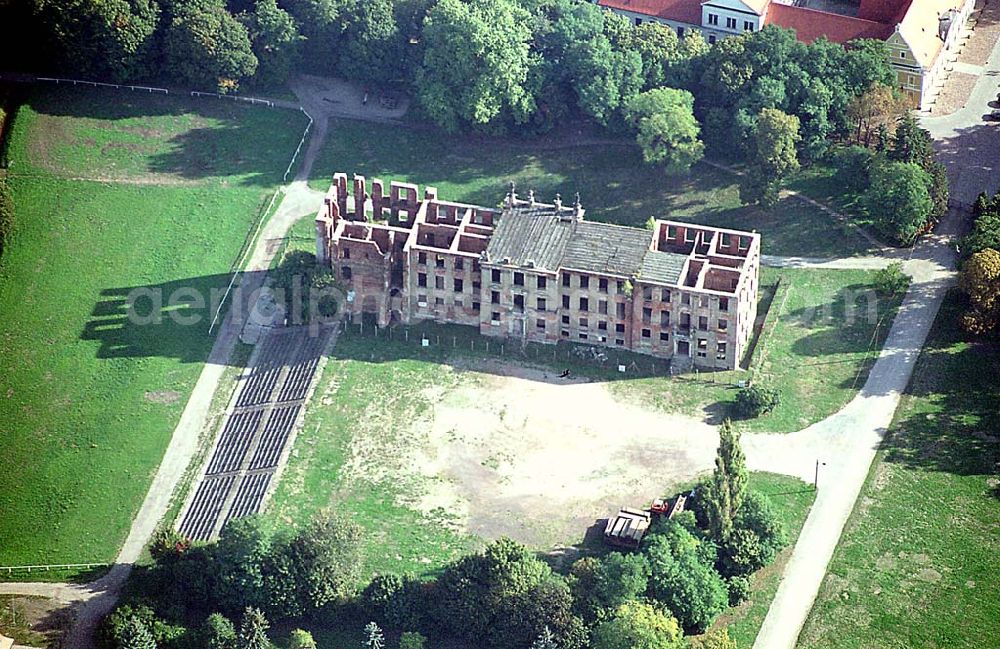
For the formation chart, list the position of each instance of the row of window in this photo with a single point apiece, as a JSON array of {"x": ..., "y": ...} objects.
[
  {"x": 713, "y": 20},
  {"x": 439, "y": 261}
]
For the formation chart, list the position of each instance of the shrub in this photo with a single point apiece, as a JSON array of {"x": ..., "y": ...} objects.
[
  {"x": 394, "y": 600},
  {"x": 124, "y": 621},
  {"x": 739, "y": 589},
  {"x": 300, "y": 639},
  {"x": 168, "y": 542},
  {"x": 891, "y": 280},
  {"x": 756, "y": 400},
  {"x": 715, "y": 639},
  {"x": 411, "y": 640}
]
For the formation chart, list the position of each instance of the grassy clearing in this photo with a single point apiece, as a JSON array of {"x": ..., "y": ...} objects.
[
  {"x": 90, "y": 397},
  {"x": 614, "y": 183},
  {"x": 919, "y": 562},
  {"x": 160, "y": 139},
  {"x": 356, "y": 397},
  {"x": 824, "y": 342}
]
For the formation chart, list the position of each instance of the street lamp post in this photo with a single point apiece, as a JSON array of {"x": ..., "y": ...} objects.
[{"x": 816, "y": 475}]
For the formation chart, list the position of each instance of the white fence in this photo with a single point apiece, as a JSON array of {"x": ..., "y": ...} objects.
[
  {"x": 98, "y": 84},
  {"x": 118, "y": 86},
  {"x": 52, "y": 566}
]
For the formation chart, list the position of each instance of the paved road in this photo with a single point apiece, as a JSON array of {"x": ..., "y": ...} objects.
[
  {"x": 968, "y": 145},
  {"x": 847, "y": 441}
]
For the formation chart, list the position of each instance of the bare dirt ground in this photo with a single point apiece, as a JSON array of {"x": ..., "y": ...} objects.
[{"x": 512, "y": 451}]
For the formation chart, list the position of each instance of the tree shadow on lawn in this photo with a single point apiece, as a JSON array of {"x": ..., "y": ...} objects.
[
  {"x": 250, "y": 143},
  {"x": 844, "y": 325},
  {"x": 614, "y": 183},
  {"x": 170, "y": 319},
  {"x": 954, "y": 428}
]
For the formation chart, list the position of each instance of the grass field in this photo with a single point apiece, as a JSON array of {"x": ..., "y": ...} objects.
[
  {"x": 89, "y": 397},
  {"x": 614, "y": 183},
  {"x": 919, "y": 562},
  {"x": 828, "y": 330}
]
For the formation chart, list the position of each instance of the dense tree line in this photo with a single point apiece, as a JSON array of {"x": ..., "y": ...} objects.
[
  {"x": 527, "y": 66},
  {"x": 686, "y": 572}
]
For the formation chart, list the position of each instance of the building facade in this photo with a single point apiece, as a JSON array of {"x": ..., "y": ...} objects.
[
  {"x": 541, "y": 272},
  {"x": 922, "y": 35}
]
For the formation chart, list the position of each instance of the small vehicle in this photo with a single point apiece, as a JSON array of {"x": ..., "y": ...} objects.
[{"x": 993, "y": 116}]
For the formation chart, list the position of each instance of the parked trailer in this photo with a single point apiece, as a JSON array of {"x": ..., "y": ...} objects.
[{"x": 627, "y": 528}]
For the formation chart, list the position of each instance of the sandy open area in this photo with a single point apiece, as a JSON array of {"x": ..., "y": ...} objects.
[{"x": 506, "y": 450}]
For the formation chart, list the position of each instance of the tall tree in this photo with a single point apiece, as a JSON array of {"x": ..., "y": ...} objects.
[
  {"x": 899, "y": 200},
  {"x": 372, "y": 47},
  {"x": 318, "y": 566},
  {"x": 476, "y": 63},
  {"x": 667, "y": 130},
  {"x": 723, "y": 494},
  {"x": 876, "y": 109},
  {"x": 772, "y": 156},
  {"x": 604, "y": 77},
  {"x": 275, "y": 37},
  {"x": 218, "y": 633},
  {"x": 638, "y": 625},
  {"x": 207, "y": 47},
  {"x": 253, "y": 630}
]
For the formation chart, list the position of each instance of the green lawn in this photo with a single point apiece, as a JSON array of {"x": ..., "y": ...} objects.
[
  {"x": 817, "y": 354},
  {"x": 90, "y": 398},
  {"x": 615, "y": 185},
  {"x": 919, "y": 562}
]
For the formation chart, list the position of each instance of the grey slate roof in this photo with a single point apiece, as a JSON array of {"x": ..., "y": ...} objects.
[
  {"x": 530, "y": 234},
  {"x": 536, "y": 234},
  {"x": 605, "y": 248},
  {"x": 663, "y": 267}
]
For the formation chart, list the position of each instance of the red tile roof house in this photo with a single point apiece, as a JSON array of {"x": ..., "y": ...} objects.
[{"x": 922, "y": 34}]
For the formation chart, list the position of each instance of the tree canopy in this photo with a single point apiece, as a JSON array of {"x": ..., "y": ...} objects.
[
  {"x": 476, "y": 63},
  {"x": 771, "y": 158},
  {"x": 667, "y": 129}
]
